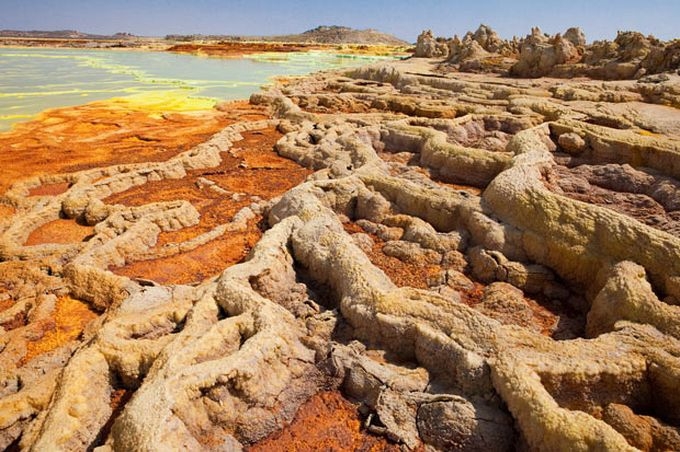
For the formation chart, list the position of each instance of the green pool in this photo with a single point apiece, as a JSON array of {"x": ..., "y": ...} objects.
[{"x": 32, "y": 80}]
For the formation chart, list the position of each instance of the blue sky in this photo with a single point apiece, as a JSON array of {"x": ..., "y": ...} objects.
[{"x": 403, "y": 18}]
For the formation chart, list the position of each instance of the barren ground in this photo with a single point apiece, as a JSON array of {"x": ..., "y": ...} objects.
[{"x": 386, "y": 259}]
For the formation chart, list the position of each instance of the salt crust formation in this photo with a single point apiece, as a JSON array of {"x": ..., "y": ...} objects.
[{"x": 481, "y": 176}]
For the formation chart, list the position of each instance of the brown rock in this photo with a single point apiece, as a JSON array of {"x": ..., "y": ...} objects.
[
  {"x": 643, "y": 432},
  {"x": 460, "y": 425},
  {"x": 572, "y": 143}
]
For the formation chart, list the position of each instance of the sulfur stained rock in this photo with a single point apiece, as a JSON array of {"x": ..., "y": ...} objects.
[
  {"x": 363, "y": 241},
  {"x": 576, "y": 36},
  {"x": 411, "y": 252},
  {"x": 539, "y": 55},
  {"x": 630, "y": 55},
  {"x": 627, "y": 295},
  {"x": 423, "y": 264},
  {"x": 505, "y": 303},
  {"x": 482, "y": 51},
  {"x": 458, "y": 281}
]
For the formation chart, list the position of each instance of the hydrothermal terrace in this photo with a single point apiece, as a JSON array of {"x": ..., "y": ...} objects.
[{"x": 400, "y": 256}]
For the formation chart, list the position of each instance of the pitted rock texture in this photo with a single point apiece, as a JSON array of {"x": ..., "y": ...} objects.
[
  {"x": 428, "y": 47},
  {"x": 469, "y": 260},
  {"x": 631, "y": 55}
]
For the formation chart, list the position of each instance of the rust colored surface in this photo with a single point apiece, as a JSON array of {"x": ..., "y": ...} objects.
[
  {"x": 119, "y": 398},
  {"x": 49, "y": 189},
  {"x": 250, "y": 168},
  {"x": 60, "y": 231},
  {"x": 69, "y": 319},
  {"x": 198, "y": 264},
  {"x": 403, "y": 274},
  {"x": 474, "y": 295},
  {"x": 546, "y": 315},
  {"x": 105, "y": 133},
  {"x": 237, "y": 49},
  {"x": 5, "y": 303},
  {"x": 6, "y": 210},
  {"x": 326, "y": 422}
]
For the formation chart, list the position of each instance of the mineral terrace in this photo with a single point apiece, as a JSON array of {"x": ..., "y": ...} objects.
[{"x": 400, "y": 257}]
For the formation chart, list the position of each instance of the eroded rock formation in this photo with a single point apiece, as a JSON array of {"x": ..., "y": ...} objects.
[
  {"x": 429, "y": 47},
  {"x": 477, "y": 263},
  {"x": 482, "y": 51},
  {"x": 630, "y": 56}
]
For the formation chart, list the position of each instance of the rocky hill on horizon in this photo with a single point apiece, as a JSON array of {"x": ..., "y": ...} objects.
[
  {"x": 335, "y": 34},
  {"x": 323, "y": 34}
]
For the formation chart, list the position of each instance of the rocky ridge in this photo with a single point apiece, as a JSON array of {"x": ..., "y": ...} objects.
[
  {"x": 334, "y": 34},
  {"x": 446, "y": 264},
  {"x": 323, "y": 34}
]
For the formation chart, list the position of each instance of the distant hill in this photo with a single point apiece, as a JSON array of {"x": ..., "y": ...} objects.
[
  {"x": 342, "y": 35},
  {"x": 60, "y": 34},
  {"x": 320, "y": 35}
]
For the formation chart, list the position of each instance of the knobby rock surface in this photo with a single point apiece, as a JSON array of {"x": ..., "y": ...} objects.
[{"x": 471, "y": 262}]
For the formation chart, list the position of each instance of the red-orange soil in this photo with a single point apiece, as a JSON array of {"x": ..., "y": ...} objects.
[
  {"x": 49, "y": 189},
  {"x": 70, "y": 317},
  {"x": 416, "y": 274},
  {"x": 401, "y": 273},
  {"x": 251, "y": 168},
  {"x": 198, "y": 264},
  {"x": 105, "y": 133},
  {"x": 6, "y": 210},
  {"x": 60, "y": 231},
  {"x": 237, "y": 49},
  {"x": 327, "y": 422}
]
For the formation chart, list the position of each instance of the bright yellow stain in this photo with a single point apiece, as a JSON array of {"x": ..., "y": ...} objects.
[
  {"x": 164, "y": 101},
  {"x": 70, "y": 318}
]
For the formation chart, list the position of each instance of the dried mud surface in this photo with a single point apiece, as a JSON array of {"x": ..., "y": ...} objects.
[{"x": 383, "y": 259}]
